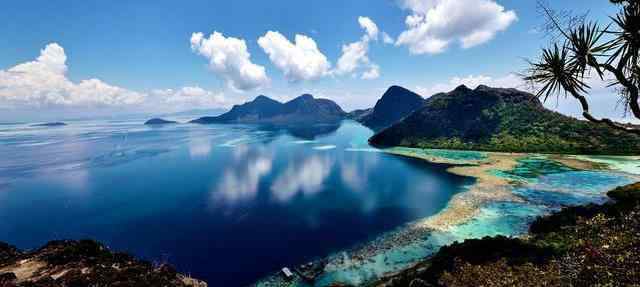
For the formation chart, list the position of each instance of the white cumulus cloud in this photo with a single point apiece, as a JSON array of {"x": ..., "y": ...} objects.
[
  {"x": 372, "y": 73},
  {"x": 43, "y": 83},
  {"x": 190, "y": 97},
  {"x": 369, "y": 26},
  {"x": 387, "y": 39},
  {"x": 435, "y": 24},
  {"x": 230, "y": 59},
  {"x": 472, "y": 82},
  {"x": 301, "y": 60},
  {"x": 355, "y": 55}
]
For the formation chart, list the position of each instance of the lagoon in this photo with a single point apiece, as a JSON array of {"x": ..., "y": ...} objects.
[{"x": 228, "y": 204}]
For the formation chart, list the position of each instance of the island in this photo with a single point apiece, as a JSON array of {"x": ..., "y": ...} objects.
[
  {"x": 51, "y": 124},
  {"x": 159, "y": 121},
  {"x": 395, "y": 104},
  {"x": 304, "y": 109},
  {"x": 501, "y": 120}
]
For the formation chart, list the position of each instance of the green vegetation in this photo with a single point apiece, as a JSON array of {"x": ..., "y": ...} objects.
[
  {"x": 523, "y": 129},
  {"x": 488, "y": 119},
  {"x": 594, "y": 245}
]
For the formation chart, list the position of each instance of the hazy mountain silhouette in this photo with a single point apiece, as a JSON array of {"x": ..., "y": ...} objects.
[{"x": 303, "y": 109}]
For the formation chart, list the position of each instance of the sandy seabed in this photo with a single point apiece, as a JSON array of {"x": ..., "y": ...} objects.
[{"x": 406, "y": 245}]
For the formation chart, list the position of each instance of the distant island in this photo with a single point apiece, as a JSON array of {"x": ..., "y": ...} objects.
[
  {"x": 159, "y": 121},
  {"x": 395, "y": 104},
  {"x": 304, "y": 109},
  {"x": 484, "y": 119},
  {"x": 503, "y": 120},
  {"x": 51, "y": 124}
]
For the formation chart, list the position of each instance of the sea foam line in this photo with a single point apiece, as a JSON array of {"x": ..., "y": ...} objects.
[{"x": 324, "y": 147}]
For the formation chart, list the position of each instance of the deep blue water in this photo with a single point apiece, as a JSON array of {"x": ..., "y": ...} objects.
[{"x": 227, "y": 204}]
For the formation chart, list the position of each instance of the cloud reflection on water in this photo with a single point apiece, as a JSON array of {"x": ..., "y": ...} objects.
[
  {"x": 199, "y": 146},
  {"x": 355, "y": 170},
  {"x": 306, "y": 178},
  {"x": 242, "y": 177}
]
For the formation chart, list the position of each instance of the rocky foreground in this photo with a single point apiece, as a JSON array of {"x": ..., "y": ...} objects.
[
  {"x": 593, "y": 245},
  {"x": 83, "y": 263}
]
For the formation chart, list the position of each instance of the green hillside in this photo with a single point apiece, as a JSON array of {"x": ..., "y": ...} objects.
[{"x": 507, "y": 120}]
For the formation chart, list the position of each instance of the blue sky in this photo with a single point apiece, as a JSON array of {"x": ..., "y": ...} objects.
[{"x": 141, "y": 54}]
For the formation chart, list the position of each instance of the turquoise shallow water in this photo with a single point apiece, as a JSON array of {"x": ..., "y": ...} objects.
[
  {"x": 450, "y": 155},
  {"x": 531, "y": 168},
  {"x": 541, "y": 185},
  {"x": 620, "y": 163},
  {"x": 233, "y": 204}
]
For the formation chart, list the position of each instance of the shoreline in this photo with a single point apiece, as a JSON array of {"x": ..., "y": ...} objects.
[
  {"x": 466, "y": 205},
  {"x": 596, "y": 244},
  {"x": 465, "y": 216},
  {"x": 398, "y": 244},
  {"x": 488, "y": 187}
]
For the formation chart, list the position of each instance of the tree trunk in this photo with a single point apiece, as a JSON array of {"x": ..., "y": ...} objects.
[{"x": 587, "y": 115}]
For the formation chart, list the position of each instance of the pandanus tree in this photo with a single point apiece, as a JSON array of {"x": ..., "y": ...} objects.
[{"x": 583, "y": 49}]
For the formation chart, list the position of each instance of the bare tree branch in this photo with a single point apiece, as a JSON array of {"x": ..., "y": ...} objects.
[{"x": 587, "y": 115}]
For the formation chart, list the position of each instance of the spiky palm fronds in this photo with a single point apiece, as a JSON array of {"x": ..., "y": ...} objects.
[
  {"x": 555, "y": 73},
  {"x": 626, "y": 36},
  {"x": 619, "y": 1},
  {"x": 563, "y": 68},
  {"x": 585, "y": 47},
  {"x": 625, "y": 56}
]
